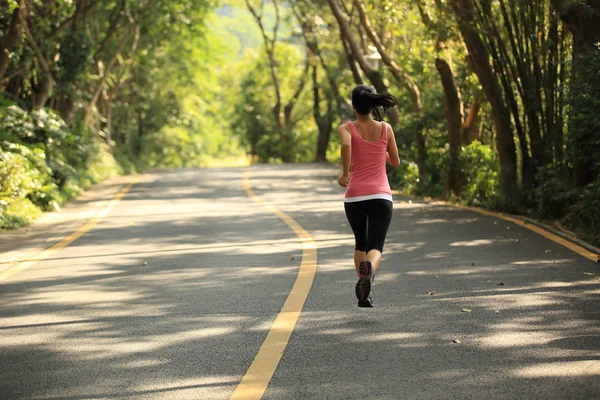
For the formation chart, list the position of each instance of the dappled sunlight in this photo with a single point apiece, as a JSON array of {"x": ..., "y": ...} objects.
[
  {"x": 202, "y": 285},
  {"x": 403, "y": 247},
  {"x": 432, "y": 221},
  {"x": 388, "y": 277},
  {"x": 437, "y": 255},
  {"x": 560, "y": 369},
  {"x": 415, "y": 206},
  {"x": 340, "y": 331},
  {"x": 87, "y": 296},
  {"x": 141, "y": 290},
  {"x": 542, "y": 262},
  {"x": 389, "y": 337},
  {"x": 516, "y": 339},
  {"x": 478, "y": 242}
]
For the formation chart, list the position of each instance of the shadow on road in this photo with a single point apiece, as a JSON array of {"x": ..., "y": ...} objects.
[{"x": 172, "y": 295}]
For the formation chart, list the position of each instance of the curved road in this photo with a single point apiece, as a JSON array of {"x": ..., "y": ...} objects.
[{"x": 172, "y": 293}]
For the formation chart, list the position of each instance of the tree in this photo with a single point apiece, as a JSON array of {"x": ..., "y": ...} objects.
[
  {"x": 480, "y": 60},
  {"x": 286, "y": 124}
]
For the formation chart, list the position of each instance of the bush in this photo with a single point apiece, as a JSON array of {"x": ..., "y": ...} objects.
[
  {"x": 17, "y": 212},
  {"x": 22, "y": 170},
  {"x": 584, "y": 215},
  {"x": 43, "y": 163},
  {"x": 555, "y": 194},
  {"x": 436, "y": 167},
  {"x": 405, "y": 178},
  {"x": 479, "y": 165}
]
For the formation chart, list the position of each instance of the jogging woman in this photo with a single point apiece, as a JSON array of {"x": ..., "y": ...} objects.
[{"x": 367, "y": 144}]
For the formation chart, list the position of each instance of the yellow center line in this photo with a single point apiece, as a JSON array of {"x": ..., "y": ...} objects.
[
  {"x": 257, "y": 377},
  {"x": 67, "y": 240}
]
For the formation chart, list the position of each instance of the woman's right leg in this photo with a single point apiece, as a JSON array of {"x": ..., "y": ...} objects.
[
  {"x": 374, "y": 257},
  {"x": 380, "y": 217}
]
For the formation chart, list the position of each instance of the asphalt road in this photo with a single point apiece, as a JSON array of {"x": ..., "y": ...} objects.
[{"x": 171, "y": 295}]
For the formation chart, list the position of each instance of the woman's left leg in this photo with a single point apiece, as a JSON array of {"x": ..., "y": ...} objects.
[
  {"x": 359, "y": 256},
  {"x": 357, "y": 218}
]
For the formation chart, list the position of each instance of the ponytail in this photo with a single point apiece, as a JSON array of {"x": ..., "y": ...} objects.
[{"x": 366, "y": 101}]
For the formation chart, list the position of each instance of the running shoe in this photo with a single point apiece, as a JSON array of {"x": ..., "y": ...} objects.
[{"x": 364, "y": 284}]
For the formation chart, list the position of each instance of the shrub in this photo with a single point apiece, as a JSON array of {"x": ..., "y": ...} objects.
[
  {"x": 22, "y": 170},
  {"x": 405, "y": 178},
  {"x": 17, "y": 212},
  {"x": 584, "y": 215},
  {"x": 43, "y": 163},
  {"x": 478, "y": 165},
  {"x": 555, "y": 194}
]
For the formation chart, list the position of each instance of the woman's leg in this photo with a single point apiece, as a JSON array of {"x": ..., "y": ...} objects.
[
  {"x": 380, "y": 217},
  {"x": 374, "y": 257},
  {"x": 357, "y": 218},
  {"x": 359, "y": 256}
]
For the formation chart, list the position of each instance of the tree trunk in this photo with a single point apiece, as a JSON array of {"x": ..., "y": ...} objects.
[
  {"x": 46, "y": 84},
  {"x": 472, "y": 122},
  {"x": 65, "y": 107},
  {"x": 108, "y": 122},
  {"x": 358, "y": 79},
  {"x": 582, "y": 17},
  {"x": 401, "y": 77},
  {"x": 580, "y": 133},
  {"x": 583, "y": 20},
  {"x": 454, "y": 119},
  {"x": 372, "y": 74},
  {"x": 127, "y": 130},
  {"x": 270, "y": 50},
  {"x": 324, "y": 122},
  {"x": 12, "y": 37},
  {"x": 480, "y": 57}
]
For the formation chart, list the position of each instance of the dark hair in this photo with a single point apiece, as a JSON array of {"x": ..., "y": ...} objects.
[{"x": 366, "y": 101}]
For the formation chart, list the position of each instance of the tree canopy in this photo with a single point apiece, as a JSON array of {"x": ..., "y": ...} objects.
[{"x": 497, "y": 105}]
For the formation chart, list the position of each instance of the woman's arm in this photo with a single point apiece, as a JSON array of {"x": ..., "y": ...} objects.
[
  {"x": 346, "y": 151},
  {"x": 392, "y": 156}
]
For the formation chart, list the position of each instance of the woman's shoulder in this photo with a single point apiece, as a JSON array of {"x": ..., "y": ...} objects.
[
  {"x": 387, "y": 128},
  {"x": 346, "y": 126}
]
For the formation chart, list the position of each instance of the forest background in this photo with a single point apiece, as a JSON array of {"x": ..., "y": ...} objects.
[{"x": 498, "y": 99}]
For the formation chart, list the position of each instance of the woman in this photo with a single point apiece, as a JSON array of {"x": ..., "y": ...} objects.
[{"x": 367, "y": 144}]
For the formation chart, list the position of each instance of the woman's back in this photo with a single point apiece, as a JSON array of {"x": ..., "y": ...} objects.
[{"x": 369, "y": 147}]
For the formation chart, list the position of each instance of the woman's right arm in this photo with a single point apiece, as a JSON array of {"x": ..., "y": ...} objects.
[
  {"x": 392, "y": 156},
  {"x": 345, "y": 153}
]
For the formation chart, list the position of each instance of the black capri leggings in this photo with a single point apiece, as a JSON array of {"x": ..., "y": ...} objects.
[{"x": 369, "y": 220}]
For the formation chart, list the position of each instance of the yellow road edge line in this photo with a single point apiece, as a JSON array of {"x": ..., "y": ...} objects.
[
  {"x": 534, "y": 228},
  {"x": 259, "y": 374},
  {"x": 67, "y": 240}
]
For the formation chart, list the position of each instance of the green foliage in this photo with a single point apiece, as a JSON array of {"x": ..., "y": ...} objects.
[
  {"x": 584, "y": 138},
  {"x": 479, "y": 167},
  {"x": 12, "y": 6},
  {"x": 175, "y": 84},
  {"x": 253, "y": 119},
  {"x": 478, "y": 164},
  {"x": 23, "y": 171},
  {"x": 75, "y": 52},
  {"x": 406, "y": 178},
  {"x": 43, "y": 164},
  {"x": 17, "y": 212},
  {"x": 585, "y": 213},
  {"x": 555, "y": 194}
]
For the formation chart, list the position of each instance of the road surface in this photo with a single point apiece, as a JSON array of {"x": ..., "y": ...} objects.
[{"x": 172, "y": 293}]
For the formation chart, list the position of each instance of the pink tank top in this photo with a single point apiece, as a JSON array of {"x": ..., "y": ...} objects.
[{"x": 368, "y": 176}]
